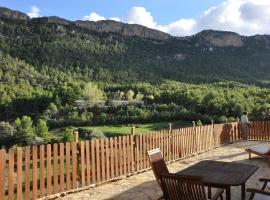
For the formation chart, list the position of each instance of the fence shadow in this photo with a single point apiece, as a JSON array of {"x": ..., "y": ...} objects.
[{"x": 147, "y": 190}]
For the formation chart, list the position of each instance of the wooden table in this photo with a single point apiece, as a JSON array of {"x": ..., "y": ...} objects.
[{"x": 222, "y": 174}]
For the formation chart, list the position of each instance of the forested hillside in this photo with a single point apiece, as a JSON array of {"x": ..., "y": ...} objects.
[
  {"x": 109, "y": 50},
  {"x": 47, "y": 63}
]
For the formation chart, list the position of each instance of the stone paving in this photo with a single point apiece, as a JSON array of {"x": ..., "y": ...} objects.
[{"x": 144, "y": 187}]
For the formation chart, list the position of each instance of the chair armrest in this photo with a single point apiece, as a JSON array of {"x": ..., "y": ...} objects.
[
  {"x": 252, "y": 190},
  {"x": 264, "y": 179},
  {"x": 218, "y": 194}
]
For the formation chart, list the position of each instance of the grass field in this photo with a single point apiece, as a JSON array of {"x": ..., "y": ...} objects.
[{"x": 123, "y": 129}]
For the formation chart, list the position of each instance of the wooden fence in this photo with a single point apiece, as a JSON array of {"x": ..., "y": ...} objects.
[
  {"x": 39, "y": 171},
  {"x": 259, "y": 130}
]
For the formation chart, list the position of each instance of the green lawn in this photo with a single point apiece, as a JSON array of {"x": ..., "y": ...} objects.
[{"x": 123, "y": 129}]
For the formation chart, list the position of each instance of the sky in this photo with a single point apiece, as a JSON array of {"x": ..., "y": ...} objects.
[{"x": 176, "y": 17}]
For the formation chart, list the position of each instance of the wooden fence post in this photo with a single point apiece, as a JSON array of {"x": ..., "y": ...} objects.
[
  {"x": 194, "y": 136},
  {"x": 132, "y": 132},
  {"x": 78, "y": 158},
  {"x": 213, "y": 133},
  {"x": 133, "y": 149},
  {"x": 76, "y": 136},
  {"x": 170, "y": 141}
]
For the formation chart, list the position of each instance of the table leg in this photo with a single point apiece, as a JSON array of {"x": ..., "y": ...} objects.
[
  {"x": 228, "y": 193},
  {"x": 243, "y": 191},
  {"x": 209, "y": 192}
]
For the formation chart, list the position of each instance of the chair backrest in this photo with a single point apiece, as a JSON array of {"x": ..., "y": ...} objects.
[
  {"x": 182, "y": 187},
  {"x": 158, "y": 164}
]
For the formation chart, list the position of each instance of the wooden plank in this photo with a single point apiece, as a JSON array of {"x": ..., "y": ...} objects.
[
  {"x": 41, "y": 171},
  {"x": 55, "y": 168},
  {"x": 132, "y": 151},
  {"x": 98, "y": 160},
  {"x": 141, "y": 151},
  {"x": 120, "y": 155},
  {"x": 3, "y": 173},
  {"x": 124, "y": 155},
  {"x": 103, "y": 175},
  {"x": 137, "y": 158},
  {"x": 112, "y": 157},
  {"x": 128, "y": 155},
  {"x": 10, "y": 174},
  {"x": 74, "y": 165},
  {"x": 49, "y": 165},
  {"x": 116, "y": 157},
  {"x": 19, "y": 173},
  {"x": 27, "y": 173},
  {"x": 34, "y": 172},
  {"x": 62, "y": 167},
  {"x": 107, "y": 145},
  {"x": 93, "y": 162},
  {"x": 82, "y": 158},
  {"x": 68, "y": 166},
  {"x": 88, "y": 175}
]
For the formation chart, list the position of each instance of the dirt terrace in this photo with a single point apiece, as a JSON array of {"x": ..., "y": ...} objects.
[{"x": 144, "y": 187}]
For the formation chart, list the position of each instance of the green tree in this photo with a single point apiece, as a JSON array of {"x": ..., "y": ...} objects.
[
  {"x": 130, "y": 94},
  {"x": 7, "y": 132},
  {"x": 68, "y": 135},
  {"x": 92, "y": 93},
  {"x": 42, "y": 129},
  {"x": 25, "y": 131}
]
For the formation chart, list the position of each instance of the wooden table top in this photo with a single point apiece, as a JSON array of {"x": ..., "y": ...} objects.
[{"x": 217, "y": 173}]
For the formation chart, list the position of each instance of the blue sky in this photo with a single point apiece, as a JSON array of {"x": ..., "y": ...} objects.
[
  {"x": 176, "y": 17},
  {"x": 164, "y": 11}
]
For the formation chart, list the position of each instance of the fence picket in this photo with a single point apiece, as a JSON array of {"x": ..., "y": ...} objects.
[
  {"x": 27, "y": 173},
  {"x": 3, "y": 170},
  {"x": 49, "y": 163},
  {"x": 19, "y": 173},
  {"x": 62, "y": 164},
  {"x": 67, "y": 166},
  {"x": 74, "y": 165},
  {"x": 34, "y": 172},
  {"x": 41, "y": 171},
  {"x": 10, "y": 174},
  {"x": 87, "y": 149},
  {"x": 55, "y": 168},
  {"x": 82, "y": 158}
]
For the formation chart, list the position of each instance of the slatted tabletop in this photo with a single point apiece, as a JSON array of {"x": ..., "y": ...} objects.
[{"x": 222, "y": 174}]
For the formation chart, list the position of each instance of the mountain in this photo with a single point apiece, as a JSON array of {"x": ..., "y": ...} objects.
[{"x": 114, "y": 51}]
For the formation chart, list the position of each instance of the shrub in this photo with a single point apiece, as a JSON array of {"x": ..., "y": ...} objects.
[
  {"x": 231, "y": 119},
  {"x": 199, "y": 123},
  {"x": 68, "y": 135},
  {"x": 89, "y": 134}
]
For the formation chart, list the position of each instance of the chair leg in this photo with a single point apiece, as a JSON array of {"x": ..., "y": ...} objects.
[
  {"x": 209, "y": 192},
  {"x": 252, "y": 196}
]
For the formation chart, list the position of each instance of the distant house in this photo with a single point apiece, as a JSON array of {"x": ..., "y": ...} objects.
[
  {"x": 101, "y": 103},
  {"x": 125, "y": 102},
  {"x": 115, "y": 103},
  {"x": 80, "y": 103}
]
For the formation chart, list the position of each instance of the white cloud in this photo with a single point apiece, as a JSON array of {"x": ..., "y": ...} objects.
[
  {"x": 115, "y": 19},
  {"x": 139, "y": 15},
  {"x": 247, "y": 17},
  {"x": 93, "y": 17},
  {"x": 34, "y": 12}
]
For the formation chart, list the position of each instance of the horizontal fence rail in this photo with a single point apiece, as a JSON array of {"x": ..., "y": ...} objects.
[{"x": 39, "y": 171}]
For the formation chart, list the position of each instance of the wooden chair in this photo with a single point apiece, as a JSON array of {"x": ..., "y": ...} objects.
[
  {"x": 262, "y": 151},
  {"x": 182, "y": 187},
  {"x": 260, "y": 194},
  {"x": 158, "y": 165}
]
